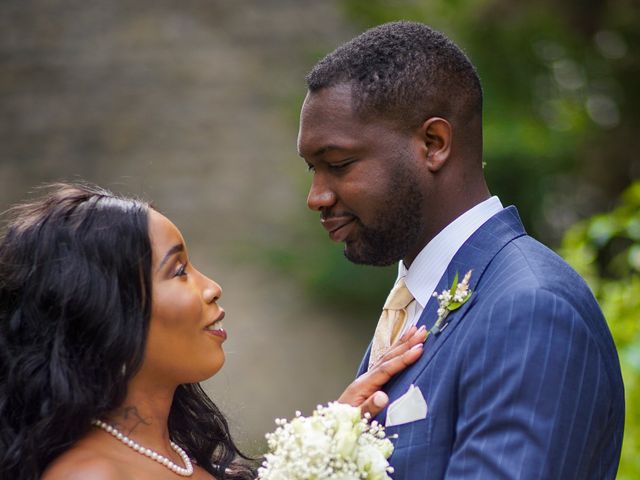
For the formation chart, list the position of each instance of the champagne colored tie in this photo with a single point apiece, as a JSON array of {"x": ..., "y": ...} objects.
[{"x": 394, "y": 315}]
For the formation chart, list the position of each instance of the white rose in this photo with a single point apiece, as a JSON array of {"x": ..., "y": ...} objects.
[
  {"x": 344, "y": 476},
  {"x": 386, "y": 448},
  {"x": 346, "y": 440},
  {"x": 372, "y": 461},
  {"x": 311, "y": 434},
  {"x": 344, "y": 413}
]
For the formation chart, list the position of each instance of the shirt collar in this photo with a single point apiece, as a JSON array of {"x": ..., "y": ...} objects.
[{"x": 424, "y": 274}]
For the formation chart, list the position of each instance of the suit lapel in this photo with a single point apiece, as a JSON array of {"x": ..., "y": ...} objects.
[
  {"x": 364, "y": 364},
  {"x": 475, "y": 254}
]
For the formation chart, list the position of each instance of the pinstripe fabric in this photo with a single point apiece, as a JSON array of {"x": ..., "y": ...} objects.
[{"x": 525, "y": 381}]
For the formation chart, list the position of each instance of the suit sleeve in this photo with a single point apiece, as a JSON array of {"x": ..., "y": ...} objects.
[{"x": 533, "y": 393}]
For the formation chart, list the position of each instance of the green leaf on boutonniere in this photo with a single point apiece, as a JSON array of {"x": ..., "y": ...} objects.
[
  {"x": 454, "y": 285},
  {"x": 451, "y": 299},
  {"x": 454, "y": 306}
]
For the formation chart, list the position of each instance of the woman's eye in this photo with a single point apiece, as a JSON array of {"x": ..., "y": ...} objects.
[{"x": 181, "y": 271}]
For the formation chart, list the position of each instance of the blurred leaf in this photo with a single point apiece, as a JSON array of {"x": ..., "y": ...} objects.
[{"x": 587, "y": 247}]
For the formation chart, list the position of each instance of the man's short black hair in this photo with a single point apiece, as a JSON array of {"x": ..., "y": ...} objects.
[{"x": 403, "y": 71}]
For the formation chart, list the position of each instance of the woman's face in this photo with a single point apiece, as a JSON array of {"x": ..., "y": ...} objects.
[{"x": 185, "y": 331}]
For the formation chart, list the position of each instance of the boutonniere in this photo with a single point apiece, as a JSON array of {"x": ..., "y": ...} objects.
[{"x": 451, "y": 299}]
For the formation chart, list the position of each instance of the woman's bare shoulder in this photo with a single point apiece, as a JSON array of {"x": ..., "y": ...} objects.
[{"x": 82, "y": 463}]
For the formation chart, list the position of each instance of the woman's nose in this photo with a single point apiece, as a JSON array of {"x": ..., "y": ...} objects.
[{"x": 212, "y": 292}]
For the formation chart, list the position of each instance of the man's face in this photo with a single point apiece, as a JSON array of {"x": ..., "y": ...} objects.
[{"x": 366, "y": 179}]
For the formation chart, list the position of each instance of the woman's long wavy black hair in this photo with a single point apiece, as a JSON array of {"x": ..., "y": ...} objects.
[{"x": 75, "y": 303}]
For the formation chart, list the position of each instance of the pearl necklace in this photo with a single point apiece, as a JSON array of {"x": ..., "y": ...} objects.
[{"x": 185, "y": 471}]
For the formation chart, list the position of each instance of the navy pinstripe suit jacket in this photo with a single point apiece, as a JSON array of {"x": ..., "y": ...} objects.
[{"x": 524, "y": 382}]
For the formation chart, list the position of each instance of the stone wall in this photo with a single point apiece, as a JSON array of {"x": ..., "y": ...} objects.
[{"x": 192, "y": 104}]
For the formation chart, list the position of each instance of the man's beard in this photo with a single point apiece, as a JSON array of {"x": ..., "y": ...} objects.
[{"x": 397, "y": 227}]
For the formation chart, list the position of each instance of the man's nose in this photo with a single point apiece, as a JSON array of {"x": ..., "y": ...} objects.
[{"x": 320, "y": 194}]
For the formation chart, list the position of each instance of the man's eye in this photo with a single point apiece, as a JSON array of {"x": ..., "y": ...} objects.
[
  {"x": 311, "y": 168},
  {"x": 341, "y": 165}
]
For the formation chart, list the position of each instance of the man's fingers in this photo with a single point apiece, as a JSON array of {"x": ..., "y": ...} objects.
[{"x": 375, "y": 403}]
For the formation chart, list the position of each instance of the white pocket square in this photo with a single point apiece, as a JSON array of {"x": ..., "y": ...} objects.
[{"x": 408, "y": 408}]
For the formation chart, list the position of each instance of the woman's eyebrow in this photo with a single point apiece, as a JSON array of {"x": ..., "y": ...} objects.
[{"x": 172, "y": 251}]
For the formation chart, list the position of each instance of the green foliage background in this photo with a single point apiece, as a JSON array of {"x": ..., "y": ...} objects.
[
  {"x": 605, "y": 249},
  {"x": 562, "y": 105},
  {"x": 561, "y": 96}
]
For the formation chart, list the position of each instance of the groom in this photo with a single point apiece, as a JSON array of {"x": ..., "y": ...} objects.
[{"x": 519, "y": 378}]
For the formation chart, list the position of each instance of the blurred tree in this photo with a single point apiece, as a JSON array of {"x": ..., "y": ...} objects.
[
  {"x": 605, "y": 250},
  {"x": 561, "y": 99}
]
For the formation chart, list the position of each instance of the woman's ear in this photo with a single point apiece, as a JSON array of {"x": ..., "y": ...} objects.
[{"x": 436, "y": 135}]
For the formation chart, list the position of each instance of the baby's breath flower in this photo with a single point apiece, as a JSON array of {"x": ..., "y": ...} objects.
[
  {"x": 451, "y": 299},
  {"x": 334, "y": 443}
]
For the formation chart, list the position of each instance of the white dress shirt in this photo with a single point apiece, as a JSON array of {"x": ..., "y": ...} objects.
[{"x": 423, "y": 275}]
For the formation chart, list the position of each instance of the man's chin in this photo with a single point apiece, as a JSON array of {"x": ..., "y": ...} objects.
[{"x": 361, "y": 256}]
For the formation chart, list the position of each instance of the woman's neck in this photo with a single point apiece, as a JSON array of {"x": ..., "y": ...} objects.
[{"x": 144, "y": 415}]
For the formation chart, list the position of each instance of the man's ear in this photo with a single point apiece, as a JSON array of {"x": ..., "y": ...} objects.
[{"x": 436, "y": 135}]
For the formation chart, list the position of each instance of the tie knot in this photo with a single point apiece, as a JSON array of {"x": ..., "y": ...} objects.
[{"x": 399, "y": 297}]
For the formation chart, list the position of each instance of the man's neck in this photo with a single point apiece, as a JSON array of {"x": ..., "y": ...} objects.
[{"x": 444, "y": 217}]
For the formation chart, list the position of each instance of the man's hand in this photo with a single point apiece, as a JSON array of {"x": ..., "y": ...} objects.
[{"x": 365, "y": 392}]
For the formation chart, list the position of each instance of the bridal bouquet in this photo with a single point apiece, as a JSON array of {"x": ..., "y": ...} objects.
[{"x": 333, "y": 443}]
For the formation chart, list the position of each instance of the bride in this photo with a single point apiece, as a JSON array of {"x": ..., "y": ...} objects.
[{"x": 106, "y": 328}]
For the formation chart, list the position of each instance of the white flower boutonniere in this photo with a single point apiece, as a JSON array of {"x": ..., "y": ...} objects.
[{"x": 450, "y": 300}]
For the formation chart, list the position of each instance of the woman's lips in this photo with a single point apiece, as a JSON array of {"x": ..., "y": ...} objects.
[
  {"x": 215, "y": 328},
  {"x": 220, "y": 332},
  {"x": 338, "y": 227}
]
